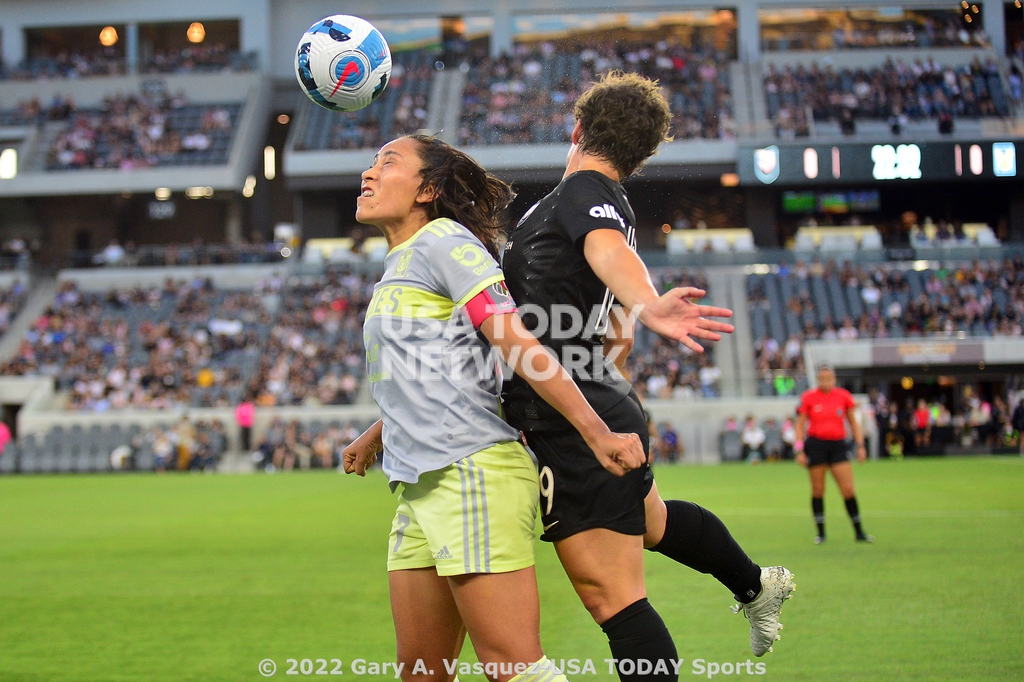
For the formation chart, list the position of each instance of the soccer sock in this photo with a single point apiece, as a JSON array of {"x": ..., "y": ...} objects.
[
  {"x": 697, "y": 538},
  {"x": 854, "y": 512},
  {"x": 818, "y": 507},
  {"x": 543, "y": 669},
  {"x": 638, "y": 632}
]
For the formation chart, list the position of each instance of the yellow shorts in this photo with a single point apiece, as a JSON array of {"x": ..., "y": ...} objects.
[{"x": 477, "y": 515}]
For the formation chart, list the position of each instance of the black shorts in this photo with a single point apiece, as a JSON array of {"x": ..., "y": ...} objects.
[
  {"x": 826, "y": 451},
  {"x": 577, "y": 493}
]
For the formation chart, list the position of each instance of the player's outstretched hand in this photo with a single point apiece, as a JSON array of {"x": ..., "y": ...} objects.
[
  {"x": 361, "y": 453},
  {"x": 619, "y": 452},
  {"x": 674, "y": 316}
]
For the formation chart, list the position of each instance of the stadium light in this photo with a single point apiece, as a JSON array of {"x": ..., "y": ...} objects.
[
  {"x": 269, "y": 162},
  {"x": 729, "y": 180},
  {"x": 283, "y": 119},
  {"x": 8, "y": 164},
  {"x": 199, "y": 192},
  {"x": 196, "y": 32},
  {"x": 162, "y": 193},
  {"x": 249, "y": 187},
  {"x": 108, "y": 36}
]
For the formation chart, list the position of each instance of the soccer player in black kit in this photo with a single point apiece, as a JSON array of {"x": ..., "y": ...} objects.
[{"x": 568, "y": 263}]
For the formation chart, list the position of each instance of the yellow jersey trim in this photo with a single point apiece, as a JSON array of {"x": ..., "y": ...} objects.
[
  {"x": 478, "y": 288},
  {"x": 402, "y": 300},
  {"x": 440, "y": 227}
]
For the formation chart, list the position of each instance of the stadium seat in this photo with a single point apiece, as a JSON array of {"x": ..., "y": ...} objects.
[
  {"x": 731, "y": 446},
  {"x": 9, "y": 458}
]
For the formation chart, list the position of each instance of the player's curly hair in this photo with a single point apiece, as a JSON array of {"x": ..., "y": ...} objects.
[
  {"x": 624, "y": 117},
  {"x": 463, "y": 191}
]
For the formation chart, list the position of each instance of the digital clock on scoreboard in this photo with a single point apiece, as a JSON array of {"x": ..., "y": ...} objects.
[{"x": 897, "y": 161}]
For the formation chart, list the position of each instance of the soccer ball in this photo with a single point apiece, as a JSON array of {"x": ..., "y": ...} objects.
[{"x": 343, "y": 63}]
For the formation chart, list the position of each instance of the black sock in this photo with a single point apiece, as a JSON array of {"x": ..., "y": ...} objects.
[
  {"x": 818, "y": 507},
  {"x": 854, "y": 512},
  {"x": 640, "y": 641},
  {"x": 697, "y": 538}
]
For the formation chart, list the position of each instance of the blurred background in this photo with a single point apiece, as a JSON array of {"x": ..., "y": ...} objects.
[{"x": 182, "y": 280}]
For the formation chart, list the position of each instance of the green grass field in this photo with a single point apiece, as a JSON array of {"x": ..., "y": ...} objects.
[{"x": 193, "y": 577}]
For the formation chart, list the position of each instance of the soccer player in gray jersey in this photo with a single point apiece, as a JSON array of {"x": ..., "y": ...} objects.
[
  {"x": 574, "y": 249},
  {"x": 461, "y": 551}
]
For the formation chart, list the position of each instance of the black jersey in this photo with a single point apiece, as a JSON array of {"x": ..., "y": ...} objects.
[{"x": 559, "y": 297}]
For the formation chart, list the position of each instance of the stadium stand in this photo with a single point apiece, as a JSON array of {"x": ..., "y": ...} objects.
[
  {"x": 527, "y": 97},
  {"x": 664, "y": 369},
  {"x": 315, "y": 353},
  {"x": 915, "y": 90},
  {"x": 110, "y": 62},
  {"x": 11, "y": 300},
  {"x": 184, "y": 344},
  {"x": 131, "y": 255},
  {"x": 401, "y": 111},
  {"x": 831, "y": 302},
  {"x": 141, "y": 131},
  {"x": 185, "y": 445},
  {"x": 288, "y": 445},
  {"x": 843, "y": 29},
  {"x": 199, "y": 59}
]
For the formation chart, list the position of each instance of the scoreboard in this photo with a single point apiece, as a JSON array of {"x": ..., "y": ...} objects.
[{"x": 814, "y": 163}]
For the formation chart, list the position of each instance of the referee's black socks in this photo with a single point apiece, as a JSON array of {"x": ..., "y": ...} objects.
[
  {"x": 818, "y": 507},
  {"x": 854, "y": 512},
  {"x": 697, "y": 538},
  {"x": 640, "y": 642}
]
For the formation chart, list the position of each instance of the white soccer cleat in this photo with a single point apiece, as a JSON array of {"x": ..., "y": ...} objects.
[{"x": 763, "y": 613}]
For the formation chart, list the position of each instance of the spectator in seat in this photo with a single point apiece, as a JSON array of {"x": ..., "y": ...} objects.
[
  {"x": 753, "y": 438},
  {"x": 669, "y": 445}
]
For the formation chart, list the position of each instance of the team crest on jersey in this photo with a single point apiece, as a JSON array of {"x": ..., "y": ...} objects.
[{"x": 403, "y": 263}]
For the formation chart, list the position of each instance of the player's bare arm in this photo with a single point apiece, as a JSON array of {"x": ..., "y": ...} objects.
[
  {"x": 618, "y": 341},
  {"x": 618, "y": 453},
  {"x": 362, "y": 452},
  {"x": 800, "y": 429},
  {"x": 672, "y": 315}
]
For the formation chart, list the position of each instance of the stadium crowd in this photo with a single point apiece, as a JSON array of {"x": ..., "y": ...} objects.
[
  {"x": 290, "y": 444},
  {"x": 130, "y": 255},
  {"x": 527, "y": 97},
  {"x": 846, "y": 302},
  {"x": 139, "y": 131},
  {"x": 11, "y": 301},
  {"x": 110, "y": 61},
  {"x": 665, "y": 369},
  {"x": 912, "y": 90},
  {"x": 922, "y": 32},
  {"x": 185, "y": 446},
  {"x": 180, "y": 345},
  {"x": 929, "y": 424},
  {"x": 315, "y": 354}
]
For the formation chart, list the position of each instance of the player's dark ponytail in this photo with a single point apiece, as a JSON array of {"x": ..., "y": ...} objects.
[{"x": 463, "y": 191}]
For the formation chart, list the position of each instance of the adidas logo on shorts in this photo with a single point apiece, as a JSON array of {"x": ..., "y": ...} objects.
[{"x": 444, "y": 554}]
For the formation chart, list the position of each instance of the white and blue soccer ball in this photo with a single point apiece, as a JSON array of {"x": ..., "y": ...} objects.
[{"x": 343, "y": 63}]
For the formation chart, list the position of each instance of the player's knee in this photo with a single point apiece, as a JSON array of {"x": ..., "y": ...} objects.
[{"x": 602, "y": 603}]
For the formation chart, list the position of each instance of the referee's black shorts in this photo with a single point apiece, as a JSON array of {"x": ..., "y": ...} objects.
[
  {"x": 577, "y": 493},
  {"x": 820, "y": 451}
]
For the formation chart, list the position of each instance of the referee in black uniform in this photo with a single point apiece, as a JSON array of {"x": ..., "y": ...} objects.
[{"x": 566, "y": 263}]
